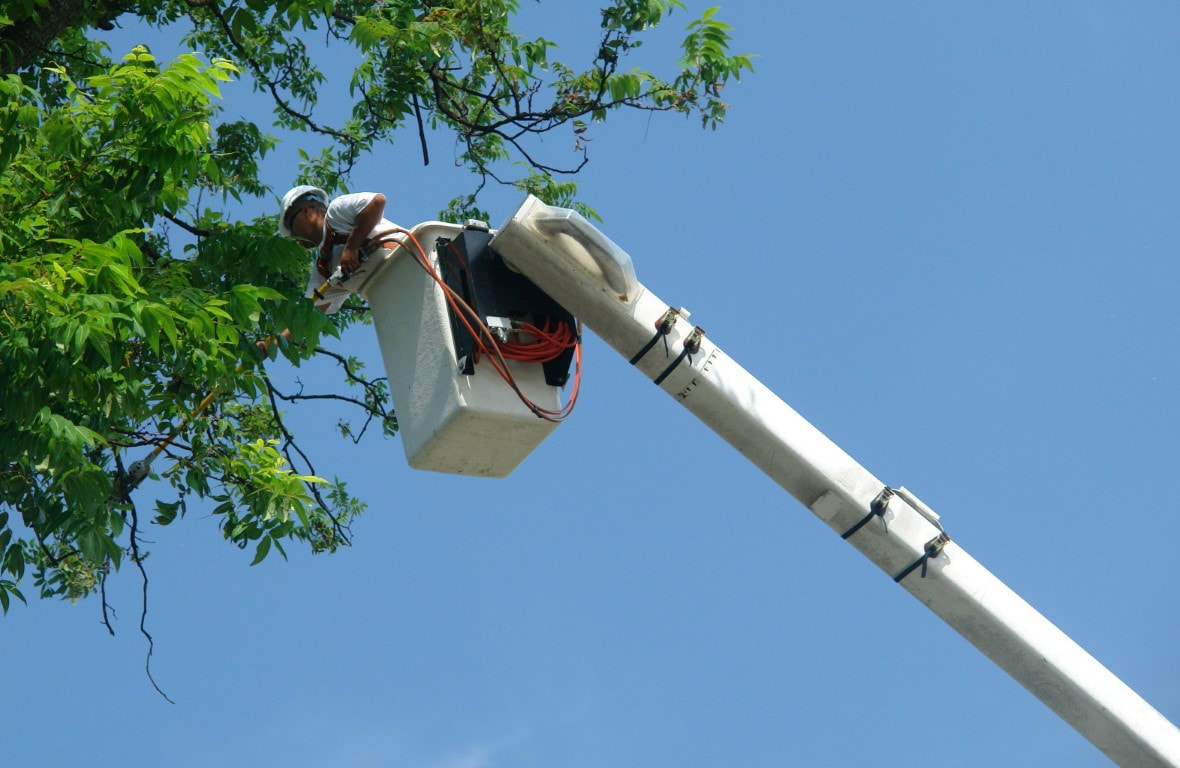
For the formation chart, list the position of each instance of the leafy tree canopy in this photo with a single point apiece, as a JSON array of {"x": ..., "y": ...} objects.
[{"x": 127, "y": 296}]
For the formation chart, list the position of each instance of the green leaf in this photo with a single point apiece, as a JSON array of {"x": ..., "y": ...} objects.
[
  {"x": 261, "y": 551},
  {"x": 166, "y": 512},
  {"x": 7, "y": 588},
  {"x": 14, "y": 560}
]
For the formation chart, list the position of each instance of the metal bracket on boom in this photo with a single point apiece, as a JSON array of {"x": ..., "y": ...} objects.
[{"x": 920, "y": 507}]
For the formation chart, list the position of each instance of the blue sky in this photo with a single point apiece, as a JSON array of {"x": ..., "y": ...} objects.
[{"x": 946, "y": 235}]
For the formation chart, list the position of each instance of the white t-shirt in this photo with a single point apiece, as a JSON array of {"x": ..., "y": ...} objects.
[{"x": 341, "y": 217}]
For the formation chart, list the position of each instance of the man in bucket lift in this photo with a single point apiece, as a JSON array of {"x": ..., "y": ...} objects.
[{"x": 344, "y": 230}]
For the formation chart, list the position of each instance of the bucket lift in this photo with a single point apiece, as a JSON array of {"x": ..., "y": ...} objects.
[
  {"x": 439, "y": 303},
  {"x": 458, "y": 416}
]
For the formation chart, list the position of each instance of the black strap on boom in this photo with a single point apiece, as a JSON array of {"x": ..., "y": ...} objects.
[
  {"x": 933, "y": 549},
  {"x": 663, "y": 328},
  {"x": 692, "y": 345},
  {"x": 876, "y": 509}
]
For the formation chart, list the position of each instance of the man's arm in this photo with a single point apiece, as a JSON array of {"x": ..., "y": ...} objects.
[{"x": 366, "y": 220}]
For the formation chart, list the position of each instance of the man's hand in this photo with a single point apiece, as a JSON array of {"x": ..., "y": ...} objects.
[
  {"x": 350, "y": 260},
  {"x": 264, "y": 344}
]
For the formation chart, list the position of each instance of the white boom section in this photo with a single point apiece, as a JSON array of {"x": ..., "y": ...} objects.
[{"x": 595, "y": 280}]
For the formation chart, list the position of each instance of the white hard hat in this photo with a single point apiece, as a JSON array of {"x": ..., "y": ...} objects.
[{"x": 297, "y": 195}]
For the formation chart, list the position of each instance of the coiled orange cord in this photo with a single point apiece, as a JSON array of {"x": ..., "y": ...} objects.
[{"x": 547, "y": 342}]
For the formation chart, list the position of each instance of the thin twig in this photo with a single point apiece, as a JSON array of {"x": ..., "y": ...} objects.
[{"x": 102, "y": 587}]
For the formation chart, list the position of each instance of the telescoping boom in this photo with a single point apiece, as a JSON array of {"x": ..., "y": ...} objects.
[{"x": 567, "y": 258}]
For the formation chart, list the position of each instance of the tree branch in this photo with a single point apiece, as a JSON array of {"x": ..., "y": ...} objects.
[
  {"x": 106, "y": 620},
  {"x": 190, "y": 228},
  {"x": 341, "y": 529},
  {"x": 421, "y": 129},
  {"x": 138, "y": 560}
]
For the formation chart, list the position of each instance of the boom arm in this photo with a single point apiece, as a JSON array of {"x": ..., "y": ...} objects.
[{"x": 594, "y": 279}]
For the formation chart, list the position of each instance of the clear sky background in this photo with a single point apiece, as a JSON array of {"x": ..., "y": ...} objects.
[{"x": 946, "y": 233}]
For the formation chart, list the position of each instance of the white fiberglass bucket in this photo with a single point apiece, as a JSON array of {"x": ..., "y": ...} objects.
[{"x": 449, "y": 422}]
